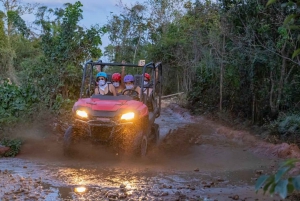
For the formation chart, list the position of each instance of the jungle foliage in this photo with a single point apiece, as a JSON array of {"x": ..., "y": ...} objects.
[
  {"x": 240, "y": 58},
  {"x": 42, "y": 71},
  {"x": 235, "y": 57},
  {"x": 280, "y": 183}
]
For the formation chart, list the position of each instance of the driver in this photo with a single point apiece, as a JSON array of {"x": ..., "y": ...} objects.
[
  {"x": 129, "y": 84},
  {"x": 104, "y": 88}
]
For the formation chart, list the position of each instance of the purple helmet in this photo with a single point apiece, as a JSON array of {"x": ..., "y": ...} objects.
[{"x": 128, "y": 78}]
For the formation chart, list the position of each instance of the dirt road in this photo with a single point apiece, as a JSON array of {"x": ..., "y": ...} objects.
[{"x": 195, "y": 160}]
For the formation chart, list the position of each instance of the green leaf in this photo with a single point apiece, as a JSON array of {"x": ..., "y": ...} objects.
[
  {"x": 272, "y": 188},
  {"x": 281, "y": 188},
  {"x": 260, "y": 181},
  {"x": 270, "y": 181},
  {"x": 296, "y": 52},
  {"x": 288, "y": 19},
  {"x": 280, "y": 173},
  {"x": 271, "y": 2},
  {"x": 290, "y": 3},
  {"x": 290, "y": 188},
  {"x": 290, "y": 162},
  {"x": 296, "y": 182}
]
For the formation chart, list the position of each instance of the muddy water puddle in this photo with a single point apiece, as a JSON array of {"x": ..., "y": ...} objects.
[{"x": 192, "y": 162}]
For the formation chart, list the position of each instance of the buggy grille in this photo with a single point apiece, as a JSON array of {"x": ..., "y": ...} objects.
[{"x": 102, "y": 133}]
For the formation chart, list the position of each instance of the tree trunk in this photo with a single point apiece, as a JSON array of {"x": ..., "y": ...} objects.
[
  {"x": 178, "y": 83},
  {"x": 272, "y": 105},
  {"x": 281, "y": 82},
  {"x": 275, "y": 98},
  {"x": 222, "y": 75},
  {"x": 253, "y": 108}
]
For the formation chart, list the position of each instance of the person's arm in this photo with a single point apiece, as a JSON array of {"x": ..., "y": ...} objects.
[
  {"x": 149, "y": 90},
  {"x": 138, "y": 89},
  {"x": 123, "y": 75},
  {"x": 113, "y": 90},
  {"x": 96, "y": 91},
  {"x": 98, "y": 67}
]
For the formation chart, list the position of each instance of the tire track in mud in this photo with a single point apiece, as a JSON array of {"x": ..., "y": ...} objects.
[{"x": 194, "y": 160}]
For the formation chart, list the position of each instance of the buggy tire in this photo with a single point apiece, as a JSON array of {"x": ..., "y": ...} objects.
[
  {"x": 155, "y": 134},
  {"x": 140, "y": 145},
  {"x": 157, "y": 114},
  {"x": 143, "y": 146},
  {"x": 68, "y": 142}
]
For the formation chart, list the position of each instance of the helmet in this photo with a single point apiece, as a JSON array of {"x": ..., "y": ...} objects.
[
  {"x": 128, "y": 78},
  {"x": 147, "y": 76},
  {"x": 101, "y": 74},
  {"x": 116, "y": 77}
]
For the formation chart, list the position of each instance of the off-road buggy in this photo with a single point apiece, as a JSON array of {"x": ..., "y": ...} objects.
[{"x": 124, "y": 122}]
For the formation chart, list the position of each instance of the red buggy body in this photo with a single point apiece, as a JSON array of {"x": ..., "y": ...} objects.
[{"x": 125, "y": 122}]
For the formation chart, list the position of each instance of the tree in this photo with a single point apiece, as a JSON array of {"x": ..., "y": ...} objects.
[
  {"x": 65, "y": 45},
  {"x": 6, "y": 52},
  {"x": 15, "y": 26},
  {"x": 127, "y": 33}
]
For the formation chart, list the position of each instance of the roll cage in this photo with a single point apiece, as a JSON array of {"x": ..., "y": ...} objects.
[{"x": 88, "y": 81}]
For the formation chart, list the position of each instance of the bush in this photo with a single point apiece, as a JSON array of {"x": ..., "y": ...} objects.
[
  {"x": 16, "y": 103},
  {"x": 286, "y": 127},
  {"x": 13, "y": 144},
  {"x": 289, "y": 125}
]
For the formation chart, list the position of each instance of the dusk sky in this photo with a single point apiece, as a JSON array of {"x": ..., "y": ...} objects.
[{"x": 94, "y": 11}]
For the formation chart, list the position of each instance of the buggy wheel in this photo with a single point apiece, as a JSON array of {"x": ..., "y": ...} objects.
[
  {"x": 139, "y": 145},
  {"x": 68, "y": 142},
  {"x": 155, "y": 133},
  {"x": 144, "y": 146}
]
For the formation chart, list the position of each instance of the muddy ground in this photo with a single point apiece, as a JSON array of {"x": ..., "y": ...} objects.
[{"x": 196, "y": 159}]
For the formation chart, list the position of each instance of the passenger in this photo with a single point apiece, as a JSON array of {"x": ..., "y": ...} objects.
[
  {"x": 147, "y": 90},
  {"x": 129, "y": 84},
  {"x": 98, "y": 68},
  {"x": 104, "y": 88},
  {"x": 116, "y": 81}
]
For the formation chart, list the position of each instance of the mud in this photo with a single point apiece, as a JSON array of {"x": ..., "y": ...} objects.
[{"x": 196, "y": 159}]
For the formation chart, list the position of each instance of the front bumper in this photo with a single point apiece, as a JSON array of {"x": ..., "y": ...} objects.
[{"x": 102, "y": 130}]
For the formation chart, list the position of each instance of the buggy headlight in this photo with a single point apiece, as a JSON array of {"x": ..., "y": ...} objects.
[
  {"x": 127, "y": 116},
  {"x": 81, "y": 113}
]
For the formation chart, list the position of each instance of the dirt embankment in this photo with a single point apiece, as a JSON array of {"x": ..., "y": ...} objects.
[{"x": 250, "y": 140}]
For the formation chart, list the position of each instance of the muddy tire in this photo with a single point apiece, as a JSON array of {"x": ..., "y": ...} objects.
[
  {"x": 154, "y": 134},
  {"x": 136, "y": 141},
  {"x": 139, "y": 145},
  {"x": 68, "y": 142},
  {"x": 157, "y": 114},
  {"x": 143, "y": 147}
]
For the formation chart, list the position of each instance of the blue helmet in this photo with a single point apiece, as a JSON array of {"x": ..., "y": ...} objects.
[
  {"x": 129, "y": 78},
  {"x": 101, "y": 74}
]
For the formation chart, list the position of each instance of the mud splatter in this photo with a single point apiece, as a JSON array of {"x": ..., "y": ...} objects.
[{"x": 195, "y": 160}]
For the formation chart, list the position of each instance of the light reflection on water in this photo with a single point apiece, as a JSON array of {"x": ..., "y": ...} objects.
[
  {"x": 101, "y": 176},
  {"x": 80, "y": 189}
]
